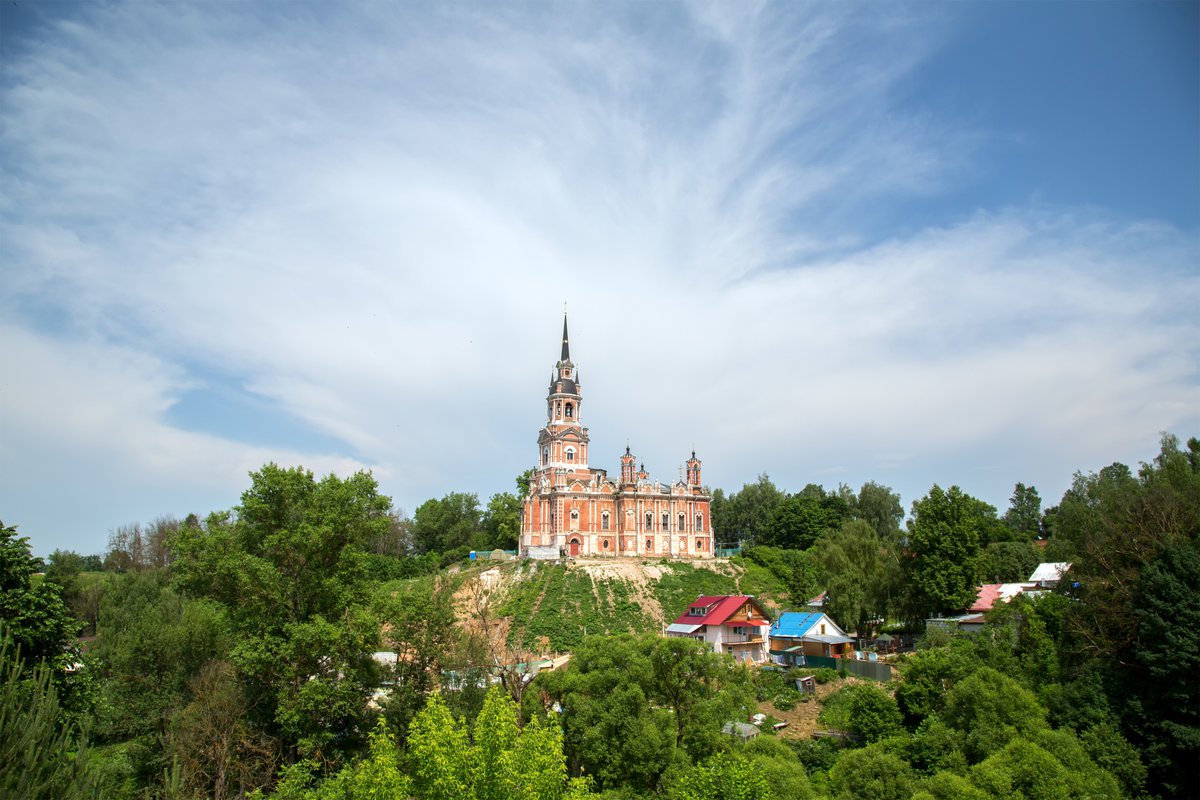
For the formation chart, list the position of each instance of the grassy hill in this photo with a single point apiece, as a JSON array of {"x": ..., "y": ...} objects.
[{"x": 551, "y": 606}]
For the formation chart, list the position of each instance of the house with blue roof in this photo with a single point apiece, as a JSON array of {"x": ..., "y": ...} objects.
[{"x": 797, "y": 634}]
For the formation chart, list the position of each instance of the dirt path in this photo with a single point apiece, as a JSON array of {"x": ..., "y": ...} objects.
[{"x": 802, "y": 720}]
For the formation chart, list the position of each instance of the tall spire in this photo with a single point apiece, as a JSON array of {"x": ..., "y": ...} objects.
[{"x": 566, "y": 350}]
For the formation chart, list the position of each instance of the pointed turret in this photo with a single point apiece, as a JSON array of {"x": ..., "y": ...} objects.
[{"x": 566, "y": 349}]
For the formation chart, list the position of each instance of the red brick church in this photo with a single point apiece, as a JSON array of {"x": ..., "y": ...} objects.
[{"x": 576, "y": 510}]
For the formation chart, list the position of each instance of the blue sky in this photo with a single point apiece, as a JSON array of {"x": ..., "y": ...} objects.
[{"x": 940, "y": 242}]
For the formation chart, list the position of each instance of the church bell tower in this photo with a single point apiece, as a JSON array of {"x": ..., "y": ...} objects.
[{"x": 562, "y": 444}]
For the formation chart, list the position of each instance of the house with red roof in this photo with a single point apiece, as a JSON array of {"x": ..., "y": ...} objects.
[
  {"x": 991, "y": 593},
  {"x": 734, "y": 624}
]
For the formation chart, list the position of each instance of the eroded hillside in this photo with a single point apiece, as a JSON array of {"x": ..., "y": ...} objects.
[{"x": 548, "y": 607}]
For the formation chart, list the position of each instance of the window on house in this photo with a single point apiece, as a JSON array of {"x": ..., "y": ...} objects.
[
  {"x": 682, "y": 523},
  {"x": 604, "y": 521},
  {"x": 699, "y": 612},
  {"x": 699, "y": 522},
  {"x": 699, "y": 544},
  {"x": 666, "y": 520},
  {"x": 649, "y": 520},
  {"x": 570, "y": 454},
  {"x": 649, "y": 544},
  {"x": 570, "y": 411},
  {"x": 604, "y": 544},
  {"x": 546, "y": 456}
]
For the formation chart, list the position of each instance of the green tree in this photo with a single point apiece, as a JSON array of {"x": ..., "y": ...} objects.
[
  {"x": 1133, "y": 542},
  {"x": 748, "y": 513},
  {"x": 151, "y": 643},
  {"x": 502, "y": 522},
  {"x": 39, "y": 622},
  {"x": 718, "y": 509},
  {"x": 874, "y": 714},
  {"x": 1025, "y": 769},
  {"x": 523, "y": 481},
  {"x": 880, "y": 507},
  {"x": 219, "y": 755},
  {"x": 929, "y": 674},
  {"x": 492, "y": 773},
  {"x": 1024, "y": 516},
  {"x": 871, "y": 772},
  {"x": 35, "y": 616},
  {"x": 445, "y": 524},
  {"x": 1008, "y": 562},
  {"x": 439, "y": 753},
  {"x": 861, "y": 575},
  {"x": 288, "y": 568},
  {"x": 82, "y": 587},
  {"x": 798, "y": 522},
  {"x": 539, "y": 768},
  {"x": 944, "y": 537},
  {"x": 700, "y": 688},
  {"x": 43, "y": 756},
  {"x": 990, "y": 710},
  {"x": 612, "y": 730},
  {"x": 723, "y": 777},
  {"x": 376, "y": 777},
  {"x": 421, "y": 632},
  {"x": 1163, "y": 707}
]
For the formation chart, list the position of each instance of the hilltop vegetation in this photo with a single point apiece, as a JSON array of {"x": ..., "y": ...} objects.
[{"x": 232, "y": 655}]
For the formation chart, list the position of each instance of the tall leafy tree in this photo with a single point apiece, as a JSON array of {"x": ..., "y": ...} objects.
[
  {"x": 151, "y": 643},
  {"x": 858, "y": 579},
  {"x": 420, "y": 630},
  {"x": 502, "y": 522},
  {"x": 38, "y": 620},
  {"x": 944, "y": 537},
  {"x": 439, "y": 753},
  {"x": 880, "y": 507},
  {"x": 288, "y": 566},
  {"x": 1024, "y": 516},
  {"x": 748, "y": 513},
  {"x": 446, "y": 524},
  {"x": 799, "y": 521}
]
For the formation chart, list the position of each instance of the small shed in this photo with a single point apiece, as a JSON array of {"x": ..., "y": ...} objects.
[{"x": 741, "y": 730}]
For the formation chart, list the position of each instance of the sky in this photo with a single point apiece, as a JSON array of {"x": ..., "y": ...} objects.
[{"x": 951, "y": 243}]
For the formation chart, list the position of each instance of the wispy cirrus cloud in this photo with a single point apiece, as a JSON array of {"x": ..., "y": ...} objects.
[{"x": 365, "y": 218}]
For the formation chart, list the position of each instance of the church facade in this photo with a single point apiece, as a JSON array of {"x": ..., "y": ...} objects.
[{"x": 574, "y": 510}]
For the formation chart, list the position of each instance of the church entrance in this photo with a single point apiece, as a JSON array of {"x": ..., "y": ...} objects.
[{"x": 573, "y": 546}]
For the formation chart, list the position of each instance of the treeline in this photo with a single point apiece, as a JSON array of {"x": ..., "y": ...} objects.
[
  {"x": 855, "y": 547},
  {"x": 233, "y": 655}
]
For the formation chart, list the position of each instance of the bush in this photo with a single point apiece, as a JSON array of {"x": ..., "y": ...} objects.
[
  {"x": 873, "y": 773},
  {"x": 787, "y": 699},
  {"x": 874, "y": 715}
]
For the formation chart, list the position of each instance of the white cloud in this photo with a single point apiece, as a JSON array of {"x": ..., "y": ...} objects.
[{"x": 367, "y": 217}]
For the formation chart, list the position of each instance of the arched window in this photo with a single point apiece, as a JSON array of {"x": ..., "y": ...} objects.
[
  {"x": 570, "y": 451},
  {"x": 666, "y": 522},
  {"x": 699, "y": 523},
  {"x": 570, "y": 411},
  {"x": 545, "y": 456},
  {"x": 649, "y": 520},
  {"x": 574, "y": 519},
  {"x": 604, "y": 521},
  {"x": 682, "y": 522}
]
